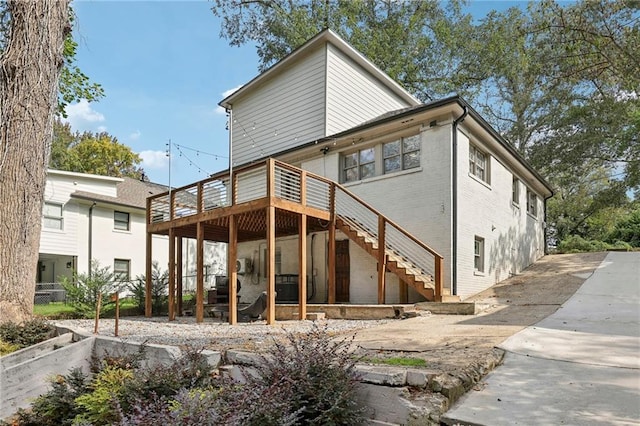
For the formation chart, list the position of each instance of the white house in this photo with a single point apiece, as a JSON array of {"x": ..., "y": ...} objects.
[
  {"x": 433, "y": 183},
  {"x": 103, "y": 218}
]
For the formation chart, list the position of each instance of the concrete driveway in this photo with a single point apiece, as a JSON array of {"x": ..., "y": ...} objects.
[{"x": 579, "y": 366}]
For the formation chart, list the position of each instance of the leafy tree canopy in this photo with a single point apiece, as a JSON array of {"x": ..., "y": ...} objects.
[{"x": 95, "y": 153}]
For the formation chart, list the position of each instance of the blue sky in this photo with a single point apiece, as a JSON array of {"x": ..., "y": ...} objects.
[{"x": 164, "y": 69}]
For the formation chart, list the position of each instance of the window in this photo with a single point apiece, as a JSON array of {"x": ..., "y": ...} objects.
[
  {"x": 532, "y": 203},
  {"x": 121, "y": 271},
  {"x": 478, "y": 164},
  {"x": 52, "y": 215},
  {"x": 515, "y": 191},
  {"x": 478, "y": 254},
  {"x": 359, "y": 165},
  {"x": 401, "y": 154},
  {"x": 121, "y": 221}
]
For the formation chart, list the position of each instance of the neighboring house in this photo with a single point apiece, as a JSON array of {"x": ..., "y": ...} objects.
[
  {"x": 433, "y": 183},
  {"x": 102, "y": 218}
]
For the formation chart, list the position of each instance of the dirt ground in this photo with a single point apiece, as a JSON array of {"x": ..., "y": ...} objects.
[{"x": 452, "y": 343}]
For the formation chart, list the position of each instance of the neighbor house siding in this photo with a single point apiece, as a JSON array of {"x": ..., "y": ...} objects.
[
  {"x": 512, "y": 238},
  {"x": 354, "y": 95},
  {"x": 282, "y": 113}
]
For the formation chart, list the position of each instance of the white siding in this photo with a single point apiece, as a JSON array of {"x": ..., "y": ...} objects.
[
  {"x": 283, "y": 112},
  {"x": 513, "y": 239},
  {"x": 353, "y": 95}
]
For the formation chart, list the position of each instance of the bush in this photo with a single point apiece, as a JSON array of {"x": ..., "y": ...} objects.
[
  {"x": 159, "y": 289},
  {"x": 31, "y": 332},
  {"x": 84, "y": 290},
  {"x": 7, "y": 348}
]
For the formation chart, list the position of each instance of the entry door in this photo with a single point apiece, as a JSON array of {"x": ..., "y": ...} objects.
[{"x": 342, "y": 271}]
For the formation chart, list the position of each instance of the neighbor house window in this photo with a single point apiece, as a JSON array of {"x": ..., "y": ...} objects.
[
  {"x": 515, "y": 191},
  {"x": 52, "y": 215},
  {"x": 478, "y": 164},
  {"x": 121, "y": 221},
  {"x": 532, "y": 203},
  {"x": 359, "y": 165},
  {"x": 401, "y": 154},
  {"x": 121, "y": 270},
  {"x": 478, "y": 254}
]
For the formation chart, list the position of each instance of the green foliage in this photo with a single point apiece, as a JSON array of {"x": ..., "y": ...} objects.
[
  {"x": 29, "y": 333},
  {"x": 628, "y": 230},
  {"x": 57, "y": 407},
  {"x": 159, "y": 289},
  {"x": 83, "y": 290},
  {"x": 99, "y": 406},
  {"x": 95, "y": 153},
  {"x": 400, "y": 361},
  {"x": 7, "y": 348},
  {"x": 577, "y": 244}
]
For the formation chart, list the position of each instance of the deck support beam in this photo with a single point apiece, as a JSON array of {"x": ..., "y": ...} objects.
[
  {"x": 179, "y": 275},
  {"x": 232, "y": 270},
  {"x": 403, "y": 290},
  {"x": 271, "y": 265},
  {"x": 331, "y": 291},
  {"x": 199, "y": 273},
  {"x": 382, "y": 262},
  {"x": 172, "y": 274},
  {"x": 302, "y": 266}
]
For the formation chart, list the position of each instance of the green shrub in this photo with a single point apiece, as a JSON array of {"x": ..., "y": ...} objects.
[
  {"x": 159, "y": 289},
  {"x": 29, "y": 333},
  {"x": 57, "y": 407},
  {"x": 99, "y": 406},
  {"x": 84, "y": 290},
  {"x": 7, "y": 348},
  {"x": 628, "y": 230}
]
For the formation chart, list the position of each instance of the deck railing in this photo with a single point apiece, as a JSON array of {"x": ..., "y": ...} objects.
[{"x": 298, "y": 186}]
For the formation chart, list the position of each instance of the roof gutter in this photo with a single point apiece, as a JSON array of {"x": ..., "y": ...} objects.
[{"x": 454, "y": 201}]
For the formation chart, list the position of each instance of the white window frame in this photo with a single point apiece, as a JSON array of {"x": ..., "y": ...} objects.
[
  {"x": 532, "y": 203},
  {"x": 515, "y": 191},
  {"x": 477, "y": 170},
  {"x": 117, "y": 223},
  {"x": 48, "y": 217},
  {"x": 402, "y": 153},
  {"x": 358, "y": 166},
  {"x": 119, "y": 273},
  {"x": 478, "y": 254}
]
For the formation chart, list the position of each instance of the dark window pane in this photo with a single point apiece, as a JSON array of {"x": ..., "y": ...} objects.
[
  {"x": 351, "y": 174},
  {"x": 367, "y": 156},
  {"x": 411, "y": 143},
  {"x": 412, "y": 159},
  {"x": 390, "y": 149},
  {"x": 392, "y": 164},
  {"x": 367, "y": 171},
  {"x": 351, "y": 160}
]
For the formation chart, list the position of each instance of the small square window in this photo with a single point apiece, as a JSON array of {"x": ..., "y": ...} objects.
[
  {"x": 401, "y": 154},
  {"x": 359, "y": 165},
  {"x": 515, "y": 191},
  {"x": 121, "y": 270},
  {"x": 121, "y": 221},
  {"x": 478, "y": 254},
  {"x": 532, "y": 203},
  {"x": 52, "y": 216}
]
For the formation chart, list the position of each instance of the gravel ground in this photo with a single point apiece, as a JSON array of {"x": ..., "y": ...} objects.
[{"x": 213, "y": 334}]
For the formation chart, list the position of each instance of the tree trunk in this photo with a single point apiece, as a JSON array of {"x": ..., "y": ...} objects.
[{"x": 29, "y": 71}]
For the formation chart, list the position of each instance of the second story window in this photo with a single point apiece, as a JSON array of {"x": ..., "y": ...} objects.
[
  {"x": 120, "y": 221},
  {"x": 515, "y": 191},
  {"x": 532, "y": 203},
  {"x": 359, "y": 165},
  {"x": 401, "y": 154},
  {"x": 52, "y": 216},
  {"x": 478, "y": 164}
]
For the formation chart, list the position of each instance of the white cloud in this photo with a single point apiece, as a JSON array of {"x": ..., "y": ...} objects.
[
  {"x": 219, "y": 109},
  {"x": 135, "y": 135},
  {"x": 82, "y": 117},
  {"x": 154, "y": 159}
]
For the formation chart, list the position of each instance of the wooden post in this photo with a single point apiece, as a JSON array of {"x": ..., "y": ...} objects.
[
  {"x": 439, "y": 278},
  {"x": 382, "y": 261},
  {"x": 115, "y": 297},
  {"x": 172, "y": 274},
  {"x": 332, "y": 247},
  {"x": 200, "y": 200},
  {"x": 232, "y": 271},
  {"x": 200, "y": 272},
  {"x": 98, "y": 306},
  {"x": 271, "y": 263},
  {"x": 302, "y": 266},
  {"x": 148, "y": 279},
  {"x": 179, "y": 276}
]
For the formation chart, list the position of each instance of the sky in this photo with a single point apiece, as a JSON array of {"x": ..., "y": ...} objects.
[{"x": 164, "y": 68}]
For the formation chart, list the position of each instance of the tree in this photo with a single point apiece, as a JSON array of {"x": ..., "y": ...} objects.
[
  {"x": 84, "y": 290},
  {"x": 29, "y": 70},
  {"x": 96, "y": 153}
]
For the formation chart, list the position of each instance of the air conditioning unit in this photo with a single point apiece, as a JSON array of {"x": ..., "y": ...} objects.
[{"x": 243, "y": 266}]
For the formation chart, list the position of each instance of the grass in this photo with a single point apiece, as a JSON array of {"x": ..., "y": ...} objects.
[
  {"x": 50, "y": 309},
  {"x": 398, "y": 361}
]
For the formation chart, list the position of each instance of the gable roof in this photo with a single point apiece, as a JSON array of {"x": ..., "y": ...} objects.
[
  {"x": 131, "y": 193},
  {"x": 325, "y": 36}
]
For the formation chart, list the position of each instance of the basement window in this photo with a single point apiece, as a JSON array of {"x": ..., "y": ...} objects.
[{"x": 478, "y": 254}]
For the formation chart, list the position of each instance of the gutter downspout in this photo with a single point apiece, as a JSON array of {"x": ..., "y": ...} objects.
[
  {"x": 90, "y": 251},
  {"x": 454, "y": 203}
]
